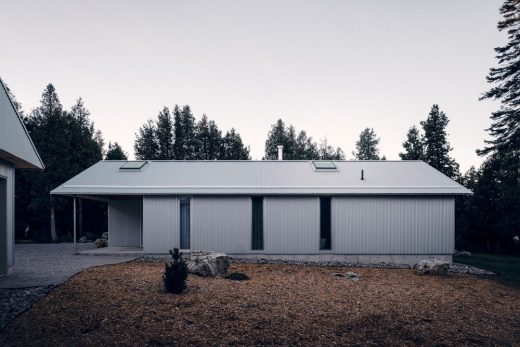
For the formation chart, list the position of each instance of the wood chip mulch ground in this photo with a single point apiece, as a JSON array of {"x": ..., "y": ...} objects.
[{"x": 125, "y": 305}]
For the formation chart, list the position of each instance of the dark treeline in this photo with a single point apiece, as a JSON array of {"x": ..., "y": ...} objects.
[
  {"x": 490, "y": 219},
  {"x": 177, "y": 135},
  {"x": 68, "y": 144},
  {"x": 297, "y": 146}
]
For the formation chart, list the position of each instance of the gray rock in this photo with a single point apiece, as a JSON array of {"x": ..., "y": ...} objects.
[
  {"x": 462, "y": 254},
  {"x": 83, "y": 239},
  {"x": 206, "y": 264},
  {"x": 470, "y": 270},
  {"x": 101, "y": 243},
  {"x": 105, "y": 235},
  {"x": 349, "y": 274},
  {"x": 432, "y": 267}
]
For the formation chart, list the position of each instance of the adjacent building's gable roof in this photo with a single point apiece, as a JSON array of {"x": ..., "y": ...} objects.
[
  {"x": 16, "y": 145},
  {"x": 260, "y": 177}
]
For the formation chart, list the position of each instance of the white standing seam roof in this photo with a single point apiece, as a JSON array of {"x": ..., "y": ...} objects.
[
  {"x": 267, "y": 177},
  {"x": 16, "y": 145}
]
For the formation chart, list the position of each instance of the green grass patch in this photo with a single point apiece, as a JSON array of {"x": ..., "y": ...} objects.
[{"x": 506, "y": 266}]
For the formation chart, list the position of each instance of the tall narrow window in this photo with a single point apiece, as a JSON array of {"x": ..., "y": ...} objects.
[
  {"x": 258, "y": 223},
  {"x": 325, "y": 224},
  {"x": 185, "y": 222}
]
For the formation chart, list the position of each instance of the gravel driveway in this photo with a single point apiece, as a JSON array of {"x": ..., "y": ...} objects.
[
  {"x": 51, "y": 264},
  {"x": 38, "y": 268}
]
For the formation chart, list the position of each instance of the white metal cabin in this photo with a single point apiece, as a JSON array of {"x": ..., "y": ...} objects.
[
  {"x": 357, "y": 211},
  {"x": 17, "y": 151}
]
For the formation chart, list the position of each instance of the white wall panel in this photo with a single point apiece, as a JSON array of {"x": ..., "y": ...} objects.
[
  {"x": 124, "y": 223},
  {"x": 160, "y": 223},
  {"x": 393, "y": 225},
  {"x": 291, "y": 225},
  {"x": 221, "y": 224},
  {"x": 7, "y": 172}
]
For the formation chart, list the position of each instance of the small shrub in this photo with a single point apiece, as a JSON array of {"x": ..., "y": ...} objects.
[
  {"x": 175, "y": 273},
  {"x": 237, "y": 276}
]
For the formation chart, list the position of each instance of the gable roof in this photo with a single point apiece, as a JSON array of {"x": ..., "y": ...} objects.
[
  {"x": 16, "y": 145},
  {"x": 284, "y": 177}
]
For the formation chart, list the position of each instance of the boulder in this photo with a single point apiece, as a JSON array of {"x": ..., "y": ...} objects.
[
  {"x": 101, "y": 243},
  {"x": 432, "y": 267},
  {"x": 83, "y": 239},
  {"x": 462, "y": 254},
  {"x": 207, "y": 263},
  {"x": 349, "y": 274}
]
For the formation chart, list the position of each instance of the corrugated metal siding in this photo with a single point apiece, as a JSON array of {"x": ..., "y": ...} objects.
[
  {"x": 393, "y": 225},
  {"x": 124, "y": 223},
  {"x": 13, "y": 137},
  {"x": 291, "y": 225},
  {"x": 221, "y": 224},
  {"x": 160, "y": 223},
  {"x": 7, "y": 172}
]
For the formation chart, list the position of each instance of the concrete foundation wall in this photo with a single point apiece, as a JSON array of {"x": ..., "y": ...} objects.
[{"x": 400, "y": 259}]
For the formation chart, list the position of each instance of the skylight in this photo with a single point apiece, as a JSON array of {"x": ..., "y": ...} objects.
[
  {"x": 133, "y": 166},
  {"x": 324, "y": 165}
]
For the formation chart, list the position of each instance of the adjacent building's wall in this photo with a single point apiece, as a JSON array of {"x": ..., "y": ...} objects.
[
  {"x": 393, "y": 225},
  {"x": 7, "y": 229},
  {"x": 291, "y": 225},
  {"x": 160, "y": 224},
  {"x": 221, "y": 224},
  {"x": 124, "y": 223}
]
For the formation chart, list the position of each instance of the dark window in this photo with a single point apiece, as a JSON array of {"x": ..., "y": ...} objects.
[
  {"x": 185, "y": 222},
  {"x": 258, "y": 223},
  {"x": 325, "y": 224}
]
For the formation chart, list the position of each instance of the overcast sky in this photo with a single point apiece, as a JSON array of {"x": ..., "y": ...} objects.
[{"x": 329, "y": 67}]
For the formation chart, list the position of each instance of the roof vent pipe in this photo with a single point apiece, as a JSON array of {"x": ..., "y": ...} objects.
[
  {"x": 280, "y": 152},
  {"x": 362, "y": 175}
]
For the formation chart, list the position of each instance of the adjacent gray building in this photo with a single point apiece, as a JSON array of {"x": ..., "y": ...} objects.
[
  {"x": 358, "y": 211},
  {"x": 16, "y": 152}
]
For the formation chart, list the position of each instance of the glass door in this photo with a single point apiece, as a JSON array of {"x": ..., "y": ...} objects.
[{"x": 185, "y": 222}]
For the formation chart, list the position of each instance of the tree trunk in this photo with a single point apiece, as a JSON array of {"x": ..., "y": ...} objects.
[{"x": 53, "y": 224}]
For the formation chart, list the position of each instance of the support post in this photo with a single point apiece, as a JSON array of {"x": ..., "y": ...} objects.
[{"x": 74, "y": 221}]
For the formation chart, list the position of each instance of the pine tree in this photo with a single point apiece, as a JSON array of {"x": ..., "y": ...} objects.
[
  {"x": 215, "y": 141},
  {"x": 505, "y": 127},
  {"x": 115, "y": 152},
  {"x": 413, "y": 146},
  {"x": 178, "y": 142},
  {"x": 17, "y": 105},
  {"x": 436, "y": 146},
  {"x": 305, "y": 148},
  {"x": 366, "y": 146},
  {"x": 208, "y": 139},
  {"x": 146, "y": 146},
  {"x": 233, "y": 148},
  {"x": 164, "y": 134},
  {"x": 275, "y": 137},
  {"x": 327, "y": 152}
]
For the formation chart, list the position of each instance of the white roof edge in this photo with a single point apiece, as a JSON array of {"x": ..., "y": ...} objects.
[{"x": 42, "y": 165}]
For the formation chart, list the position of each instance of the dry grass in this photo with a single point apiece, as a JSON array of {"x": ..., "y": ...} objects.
[{"x": 125, "y": 305}]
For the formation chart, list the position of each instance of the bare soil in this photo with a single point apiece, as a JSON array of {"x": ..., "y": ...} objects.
[{"x": 126, "y": 305}]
